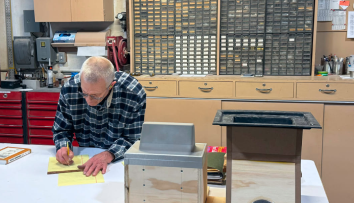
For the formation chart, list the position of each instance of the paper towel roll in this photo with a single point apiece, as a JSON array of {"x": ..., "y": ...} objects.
[{"x": 92, "y": 51}]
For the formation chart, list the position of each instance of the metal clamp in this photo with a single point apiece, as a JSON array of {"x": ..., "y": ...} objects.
[
  {"x": 150, "y": 88},
  {"x": 5, "y": 96},
  {"x": 205, "y": 89},
  {"x": 264, "y": 90},
  {"x": 328, "y": 91}
]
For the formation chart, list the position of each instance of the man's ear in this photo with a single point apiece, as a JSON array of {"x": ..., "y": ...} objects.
[{"x": 112, "y": 84}]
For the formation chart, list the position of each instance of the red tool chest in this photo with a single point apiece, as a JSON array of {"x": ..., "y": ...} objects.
[
  {"x": 11, "y": 118},
  {"x": 41, "y": 110}
]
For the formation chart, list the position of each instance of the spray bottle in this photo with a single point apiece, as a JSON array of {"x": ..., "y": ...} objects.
[{"x": 50, "y": 75}]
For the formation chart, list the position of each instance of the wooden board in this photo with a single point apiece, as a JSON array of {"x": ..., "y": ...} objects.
[
  {"x": 199, "y": 112},
  {"x": 312, "y": 139},
  {"x": 338, "y": 150},
  {"x": 165, "y": 184},
  {"x": 254, "y": 180},
  {"x": 91, "y": 38}
]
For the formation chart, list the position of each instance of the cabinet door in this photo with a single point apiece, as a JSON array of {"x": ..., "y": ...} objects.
[
  {"x": 52, "y": 10},
  {"x": 199, "y": 112},
  {"x": 312, "y": 139},
  {"x": 338, "y": 151},
  {"x": 92, "y": 10}
]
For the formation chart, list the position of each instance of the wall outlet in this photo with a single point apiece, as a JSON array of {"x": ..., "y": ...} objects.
[{"x": 61, "y": 57}]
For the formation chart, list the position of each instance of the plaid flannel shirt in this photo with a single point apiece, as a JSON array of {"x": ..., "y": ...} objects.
[{"x": 114, "y": 124}]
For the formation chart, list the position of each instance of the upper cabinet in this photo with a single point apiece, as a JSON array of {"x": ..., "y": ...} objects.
[{"x": 73, "y": 10}]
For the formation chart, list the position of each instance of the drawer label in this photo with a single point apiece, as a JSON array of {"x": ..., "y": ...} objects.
[{"x": 5, "y": 92}]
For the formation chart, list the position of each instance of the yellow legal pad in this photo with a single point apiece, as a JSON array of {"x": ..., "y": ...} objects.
[
  {"x": 55, "y": 167},
  {"x": 78, "y": 178}
]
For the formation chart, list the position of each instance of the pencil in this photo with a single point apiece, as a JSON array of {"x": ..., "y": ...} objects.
[{"x": 67, "y": 147}]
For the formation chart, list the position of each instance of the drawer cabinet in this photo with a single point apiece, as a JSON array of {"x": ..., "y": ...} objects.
[
  {"x": 325, "y": 91},
  {"x": 205, "y": 89},
  {"x": 264, "y": 90},
  {"x": 11, "y": 120},
  {"x": 159, "y": 88}
]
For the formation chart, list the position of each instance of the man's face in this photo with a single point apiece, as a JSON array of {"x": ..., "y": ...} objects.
[{"x": 98, "y": 90}]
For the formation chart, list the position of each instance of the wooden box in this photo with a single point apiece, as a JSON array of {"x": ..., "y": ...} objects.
[
  {"x": 163, "y": 173},
  {"x": 264, "y": 154}
]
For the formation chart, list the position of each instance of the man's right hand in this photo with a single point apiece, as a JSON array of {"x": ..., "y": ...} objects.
[{"x": 63, "y": 158}]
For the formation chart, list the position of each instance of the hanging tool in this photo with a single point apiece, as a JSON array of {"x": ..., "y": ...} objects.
[
  {"x": 117, "y": 51},
  {"x": 10, "y": 54}
]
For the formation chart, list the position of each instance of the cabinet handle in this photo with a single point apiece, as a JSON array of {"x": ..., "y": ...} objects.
[
  {"x": 150, "y": 88},
  {"x": 205, "y": 89},
  {"x": 264, "y": 90},
  {"x": 5, "y": 96},
  {"x": 328, "y": 91}
]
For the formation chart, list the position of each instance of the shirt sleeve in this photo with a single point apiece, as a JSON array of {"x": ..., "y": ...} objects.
[
  {"x": 132, "y": 129},
  {"x": 63, "y": 127}
]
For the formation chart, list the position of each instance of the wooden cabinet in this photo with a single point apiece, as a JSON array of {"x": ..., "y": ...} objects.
[
  {"x": 264, "y": 90},
  {"x": 159, "y": 88},
  {"x": 73, "y": 10},
  {"x": 325, "y": 91},
  {"x": 312, "y": 139},
  {"x": 199, "y": 112},
  {"x": 92, "y": 10},
  {"x": 338, "y": 151},
  {"x": 205, "y": 89}
]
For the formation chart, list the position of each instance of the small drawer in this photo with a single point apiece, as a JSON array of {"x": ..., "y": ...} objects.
[
  {"x": 159, "y": 88},
  {"x": 18, "y": 139},
  {"x": 40, "y": 131},
  {"x": 11, "y": 96},
  {"x": 42, "y": 113},
  {"x": 264, "y": 90},
  {"x": 11, "y": 129},
  {"x": 205, "y": 89},
  {"x": 43, "y": 96},
  {"x": 12, "y": 112},
  {"x": 325, "y": 91},
  {"x": 40, "y": 122},
  {"x": 11, "y": 120}
]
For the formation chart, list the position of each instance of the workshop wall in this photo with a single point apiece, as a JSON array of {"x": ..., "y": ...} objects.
[
  {"x": 74, "y": 62},
  {"x": 333, "y": 41}
]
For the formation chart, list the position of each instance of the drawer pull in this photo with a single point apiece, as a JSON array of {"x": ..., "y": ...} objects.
[
  {"x": 328, "y": 91},
  {"x": 150, "y": 88},
  {"x": 264, "y": 90},
  {"x": 205, "y": 89},
  {"x": 5, "y": 96}
]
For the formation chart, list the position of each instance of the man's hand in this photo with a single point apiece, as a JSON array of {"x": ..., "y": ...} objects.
[
  {"x": 97, "y": 163},
  {"x": 63, "y": 158}
]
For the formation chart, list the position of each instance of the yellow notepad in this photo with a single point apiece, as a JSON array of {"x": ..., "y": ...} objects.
[
  {"x": 55, "y": 167},
  {"x": 78, "y": 178}
]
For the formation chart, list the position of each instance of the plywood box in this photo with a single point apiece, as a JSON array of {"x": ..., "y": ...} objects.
[{"x": 166, "y": 166}]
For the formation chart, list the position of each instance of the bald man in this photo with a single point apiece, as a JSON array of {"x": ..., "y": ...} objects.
[{"x": 104, "y": 109}]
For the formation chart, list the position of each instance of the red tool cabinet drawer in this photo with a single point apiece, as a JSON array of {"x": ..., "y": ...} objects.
[
  {"x": 41, "y": 131},
  {"x": 10, "y": 96},
  {"x": 42, "y": 106},
  {"x": 42, "y": 113},
  {"x": 11, "y": 120},
  {"x": 12, "y": 112},
  {"x": 11, "y": 129},
  {"x": 41, "y": 122},
  {"x": 11, "y": 139},
  {"x": 43, "y": 96},
  {"x": 46, "y": 141}
]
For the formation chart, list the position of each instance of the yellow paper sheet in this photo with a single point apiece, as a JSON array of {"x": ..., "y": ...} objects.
[
  {"x": 78, "y": 178},
  {"x": 55, "y": 166}
]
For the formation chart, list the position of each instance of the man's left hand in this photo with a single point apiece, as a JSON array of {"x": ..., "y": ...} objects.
[{"x": 97, "y": 163}]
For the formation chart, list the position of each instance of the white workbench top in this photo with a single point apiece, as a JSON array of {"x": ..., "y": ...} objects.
[{"x": 26, "y": 180}]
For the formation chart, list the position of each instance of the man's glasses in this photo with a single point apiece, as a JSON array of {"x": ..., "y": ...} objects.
[{"x": 94, "y": 97}]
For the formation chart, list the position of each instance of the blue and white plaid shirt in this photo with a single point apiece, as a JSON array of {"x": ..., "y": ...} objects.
[{"x": 114, "y": 124}]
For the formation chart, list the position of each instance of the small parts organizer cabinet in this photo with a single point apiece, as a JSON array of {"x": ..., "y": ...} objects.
[
  {"x": 11, "y": 122},
  {"x": 41, "y": 110}
]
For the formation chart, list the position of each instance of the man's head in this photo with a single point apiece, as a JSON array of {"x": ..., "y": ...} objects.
[{"x": 96, "y": 75}]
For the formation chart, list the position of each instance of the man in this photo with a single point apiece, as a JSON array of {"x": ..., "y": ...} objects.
[{"x": 104, "y": 109}]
